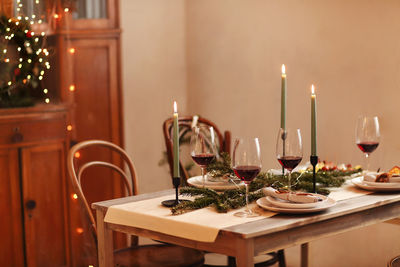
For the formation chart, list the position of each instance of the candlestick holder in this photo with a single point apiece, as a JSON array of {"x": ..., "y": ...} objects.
[
  {"x": 176, "y": 181},
  {"x": 314, "y": 162}
]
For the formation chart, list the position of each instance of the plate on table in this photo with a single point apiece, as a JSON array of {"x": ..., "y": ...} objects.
[
  {"x": 197, "y": 181},
  {"x": 265, "y": 204},
  {"x": 293, "y": 205},
  {"x": 372, "y": 186}
]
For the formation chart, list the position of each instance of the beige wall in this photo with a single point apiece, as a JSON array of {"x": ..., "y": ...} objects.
[
  {"x": 222, "y": 59},
  {"x": 154, "y": 74}
]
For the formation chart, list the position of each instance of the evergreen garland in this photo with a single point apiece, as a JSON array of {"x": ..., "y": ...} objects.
[{"x": 232, "y": 199}]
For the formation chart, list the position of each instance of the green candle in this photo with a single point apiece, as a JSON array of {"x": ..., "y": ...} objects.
[
  {"x": 283, "y": 99},
  {"x": 313, "y": 122},
  {"x": 176, "y": 142}
]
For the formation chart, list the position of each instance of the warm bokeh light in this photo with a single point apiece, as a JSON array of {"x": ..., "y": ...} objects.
[
  {"x": 72, "y": 87},
  {"x": 74, "y": 196},
  {"x": 77, "y": 155},
  {"x": 79, "y": 230},
  {"x": 72, "y": 50},
  {"x": 69, "y": 127}
]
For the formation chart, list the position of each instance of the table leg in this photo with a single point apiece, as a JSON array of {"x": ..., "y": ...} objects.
[
  {"x": 104, "y": 242},
  {"x": 245, "y": 253},
  {"x": 305, "y": 250}
]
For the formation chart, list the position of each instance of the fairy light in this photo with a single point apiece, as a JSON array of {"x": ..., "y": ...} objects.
[
  {"x": 29, "y": 77},
  {"x": 9, "y": 83},
  {"x": 74, "y": 196},
  {"x": 47, "y": 100},
  {"x": 17, "y": 23},
  {"x": 5, "y": 51},
  {"x": 77, "y": 155},
  {"x": 20, "y": 66},
  {"x": 40, "y": 21},
  {"x": 36, "y": 39},
  {"x": 66, "y": 10},
  {"x": 79, "y": 230},
  {"x": 43, "y": 33},
  {"x": 56, "y": 16},
  {"x": 45, "y": 91},
  {"x": 40, "y": 78},
  {"x": 40, "y": 59},
  {"x": 29, "y": 60},
  {"x": 72, "y": 50},
  {"x": 7, "y": 60},
  {"x": 69, "y": 127},
  {"x": 42, "y": 72},
  {"x": 72, "y": 88},
  {"x": 19, "y": 49}
]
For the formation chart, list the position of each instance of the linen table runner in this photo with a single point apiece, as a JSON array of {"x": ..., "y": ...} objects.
[{"x": 200, "y": 225}]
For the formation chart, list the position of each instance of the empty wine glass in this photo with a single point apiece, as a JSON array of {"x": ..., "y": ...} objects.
[
  {"x": 246, "y": 163},
  {"x": 203, "y": 147},
  {"x": 289, "y": 150},
  {"x": 367, "y": 135}
]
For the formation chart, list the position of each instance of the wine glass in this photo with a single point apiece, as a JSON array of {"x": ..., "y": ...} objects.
[
  {"x": 246, "y": 163},
  {"x": 367, "y": 135},
  {"x": 289, "y": 150},
  {"x": 203, "y": 147}
]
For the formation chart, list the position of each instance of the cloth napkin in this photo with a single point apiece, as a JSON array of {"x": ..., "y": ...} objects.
[
  {"x": 298, "y": 197},
  {"x": 371, "y": 177}
]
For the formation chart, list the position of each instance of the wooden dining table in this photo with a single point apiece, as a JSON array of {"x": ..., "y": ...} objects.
[{"x": 245, "y": 240}]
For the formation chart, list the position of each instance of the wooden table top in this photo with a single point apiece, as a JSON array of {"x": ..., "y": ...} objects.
[{"x": 280, "y": 222}]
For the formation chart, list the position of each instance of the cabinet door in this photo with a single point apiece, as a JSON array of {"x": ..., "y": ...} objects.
[
  {"x": 43, "y": 176},
  {"x": 11, "y": 245}
]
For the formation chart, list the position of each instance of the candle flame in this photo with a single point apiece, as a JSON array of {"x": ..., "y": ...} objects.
[
  {"x": 175, "y": 107},
  {"x": 312, "y": 89},
  {"x": 283, "y": 69}
]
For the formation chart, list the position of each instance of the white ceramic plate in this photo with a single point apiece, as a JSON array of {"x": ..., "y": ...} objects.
[
  {"x": 372, "y": 186},
  {"x": 292, "y": 205},
  {"x": 197, "y": 181},
  {"x": 265, "y": 204}
]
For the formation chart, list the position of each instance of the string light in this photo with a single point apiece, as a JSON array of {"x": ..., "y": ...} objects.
[
  {"x": 47, "y": 100},
  {"x": 79, "y": 230},
  {"x": 45, "y": 91},
  {"x": 72, "y": 50},
  {"x": 72, "y": 87},
  {"x": 66, "y": 10},
  {"x": 77, "y": 155},
  {"x": 69, "y": 128},
  {"x": 74, "y": 196}
]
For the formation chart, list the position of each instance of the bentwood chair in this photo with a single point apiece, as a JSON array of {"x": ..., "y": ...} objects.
[
  {"x": 224, "y": 145},
  {"x": 134, "y": 255}
]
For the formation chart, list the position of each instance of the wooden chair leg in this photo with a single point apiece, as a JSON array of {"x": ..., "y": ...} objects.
[{"x": 281, "y": 258}]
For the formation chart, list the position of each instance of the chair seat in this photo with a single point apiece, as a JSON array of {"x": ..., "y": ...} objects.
[{"x": 158, "y": 255}]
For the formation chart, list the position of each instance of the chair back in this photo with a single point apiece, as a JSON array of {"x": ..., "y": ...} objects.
[
  {"x": 75, "y": 172},
  {"x": 185, "y": 128}
]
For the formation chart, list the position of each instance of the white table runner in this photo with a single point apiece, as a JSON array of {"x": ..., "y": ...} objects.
[{"x": 200, "y": 225}]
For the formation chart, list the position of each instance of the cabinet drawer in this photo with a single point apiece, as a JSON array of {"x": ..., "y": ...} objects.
[{"x": 22, "y": 131}]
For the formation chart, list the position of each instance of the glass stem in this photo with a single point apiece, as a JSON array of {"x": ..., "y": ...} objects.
[
  {"x": 289, "y": 181},
  {"x": 247, "y": 199},
  {"x": 204, "y": 179},
  {"x": 367, "y": 159}
]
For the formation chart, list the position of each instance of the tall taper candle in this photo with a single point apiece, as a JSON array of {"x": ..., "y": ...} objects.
[
  {"x": 176, "y": 142},
  {"x": 313, "y": 122},
  {"x": 283, "y": 99}
]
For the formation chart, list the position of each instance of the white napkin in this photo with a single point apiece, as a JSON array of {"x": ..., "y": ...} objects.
[
  {"x": 298, "y": 197},
  {"x": 371, "y": 177}
]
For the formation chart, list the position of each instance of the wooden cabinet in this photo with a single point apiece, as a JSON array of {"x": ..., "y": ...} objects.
[{"x": 34, "y": 226}]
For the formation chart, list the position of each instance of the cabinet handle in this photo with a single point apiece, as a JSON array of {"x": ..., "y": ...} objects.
[
  {"x": 17, "y": 136},
  {"x": 30, "y": 204}
]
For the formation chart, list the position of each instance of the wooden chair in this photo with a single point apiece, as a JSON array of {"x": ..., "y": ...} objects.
[
  {"x": 224, "y": 140},
  {"x": 134, "y": 255},
  {"x": 185, "y": 129}
]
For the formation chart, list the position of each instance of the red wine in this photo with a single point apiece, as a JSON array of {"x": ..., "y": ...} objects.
[
  {"x": 367, "y": 147},
  {"x": 203, "y": 159},
  {"x": 289, "y": 162},
  {"x": 247, "y": 173}
]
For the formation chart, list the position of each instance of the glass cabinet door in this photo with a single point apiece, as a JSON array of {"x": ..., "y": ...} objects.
[{"x": 90, "y": 9}]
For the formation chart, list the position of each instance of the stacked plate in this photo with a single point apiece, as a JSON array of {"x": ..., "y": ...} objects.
[
  {"x": 284, "y": 206},
  {"x": 393, "y": 185},
  {"x": 197, "y": 181}
]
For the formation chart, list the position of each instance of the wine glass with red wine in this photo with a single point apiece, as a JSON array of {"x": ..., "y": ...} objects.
[
  {"x": 203, "y": 147},
  {"x": 289, "y": 150},
  {"x": 367, "y": 135},
  {"x": 246, "y": 163}
]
